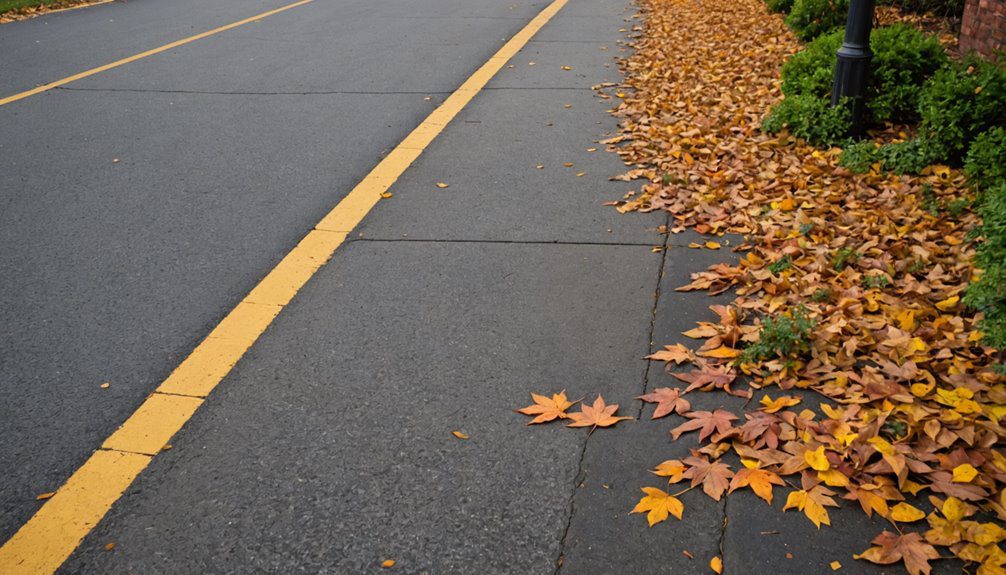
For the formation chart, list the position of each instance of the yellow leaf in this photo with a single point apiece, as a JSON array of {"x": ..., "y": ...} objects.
[
  {"x": 905, "y": 513},
  {"x": 387, "y": 563},
  {"x": 787, "y": 205},
  {"x": 833, "y": 478},
  {"x": 443, "y": 185},
  {"x": 954, "y": 509},
  {"x": 712, "y": 245},
  {"x": 774, "y": 405},
  {"x": 816, "y": 459},
  {"x": 44, "y": 496},
  {"x": 658, "y": 505},
  {"x": 835, "y": 565},
  {"x": 105, "y": 385},
  {"x": 567, "y": 67},
  {"x": 949, "y": 303},
  {"x": 581, "y": 174},
  {"x": 964, "y": 473},
  {"x": 385, "y": 195},
  {"x": 716, "y": 564},
  {"x": 721, "y": 352},
  {"x": 459, "y": 435}
]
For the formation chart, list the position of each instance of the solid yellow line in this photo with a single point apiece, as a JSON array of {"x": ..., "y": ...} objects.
[
  {"x": 141, "y": 55},
  {"x": 50, "y": 536}
]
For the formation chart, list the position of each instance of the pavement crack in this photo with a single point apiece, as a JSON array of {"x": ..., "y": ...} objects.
[
  {"x": 723, "y": 530},
  {"x": 653, "y": 320},
  {"x": 571, "y": 505},
  {"x": 249, "y": 93}
]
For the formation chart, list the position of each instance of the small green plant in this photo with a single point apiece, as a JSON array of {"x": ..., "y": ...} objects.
[
  {"x": 781, "y": 265},
  {"x": 821, "y": 295},
  {"x": 876, "y": 281},
  {"x": 781, "y": 6},
  {"x": 843, "y": 258},
  {"x": 985, "y": 164},
  {"x": 806, "y": 228},
  {"x": 957, "y": 207},
  {"x": 810, "y": 118},
  {"x": 910, "y": 157},
  {"x": 930, "y": 202},
  {"x": 916, "y": 266},
  {"x": 811, "y": 18},
  {"x": 785, "y": 336}
]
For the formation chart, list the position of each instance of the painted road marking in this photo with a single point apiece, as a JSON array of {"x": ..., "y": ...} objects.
[
  {"x": 141, "y": 55},
  {"x": 50, "y": 536}
]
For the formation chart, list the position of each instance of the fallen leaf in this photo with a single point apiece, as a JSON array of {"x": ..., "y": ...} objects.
[
  {"x": 547, "y": 408},
  {"x": 964, "y": 473},
  {"x": 388, "y": 563},
  {"x": 835, "y": 565},
  {"x": 442, "y": 185},
  {"x": 386, "y": 195},
  {"x": 110, "y": 545},
  {"x": 105, "y": 385},
  {"x": 774, "y": 405},
  {"x": 597, "y": 415},
  {"x": 910, "y": 548},
  {"x": 905, "y": 513},
  {"x": 44, "y": 496},
  {"x": 706, "y": 422},
  {"x": 716, "y": 564},
  {"x": 459, "y": 435},
  {"x": 657, "y": 505},
  {"x": 668, "y": 400},
  {"x": 759, "y": 480},
  {"x": 676, "y": 353}
]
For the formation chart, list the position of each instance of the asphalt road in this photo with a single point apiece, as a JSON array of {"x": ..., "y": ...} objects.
[{"x": 137, "y": 206}]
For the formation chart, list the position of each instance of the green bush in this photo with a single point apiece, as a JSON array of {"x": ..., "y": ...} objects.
[
  {"x": 985, "y": 164},
  {"x": 960, "y": 102},
  {"x": 910, "y": 157},
  {"x": 781, "y": 6},
  {"x": 860, "y": 156},
  {"x": 810, "y": 118},
  {"x": 811, "y": 18},
  {"x": 945, "y": 8},
  {"x": 988, "y": 294},
  {"x": 903, "y": 59}
]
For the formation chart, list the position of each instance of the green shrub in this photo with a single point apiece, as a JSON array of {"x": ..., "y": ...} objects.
[
  {"x": 810, "y": 118},
  {"x": 860, "y": 156},
  {"x": 781, "y": 6},
  {"x": 811, "y": 18},
  {"x": 985, "y": 164},
  {"x": 960, "y": 102},
  {"x": 812, "y": 70},
  {"x": 988, "y": 294},
  {"x": 910, "y": 157},
  {"x": 945, "y": 8},
  {"x": 903, "y": 59}
]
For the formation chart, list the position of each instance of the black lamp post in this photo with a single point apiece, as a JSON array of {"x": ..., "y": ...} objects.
[{"x": 853, "y": 64}]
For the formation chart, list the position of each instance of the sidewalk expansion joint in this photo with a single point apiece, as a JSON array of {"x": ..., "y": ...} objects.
[
  {"x": 577, "y": 482},
  {"x": 516, "y": 242},
  {"x": 653, "y": 319},
  {"x": 234, "y": 93},
  {"x": 723, "y": 530}
]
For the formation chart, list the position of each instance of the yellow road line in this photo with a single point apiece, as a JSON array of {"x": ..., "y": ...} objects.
[
  {"x": 50, "y": 536},
  {"x": 141, "y": 55}
]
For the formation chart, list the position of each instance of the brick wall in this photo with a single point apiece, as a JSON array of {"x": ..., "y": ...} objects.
[{"x": 983, "y": 28}]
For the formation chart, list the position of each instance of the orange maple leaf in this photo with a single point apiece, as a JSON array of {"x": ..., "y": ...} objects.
[
  {"x": 547, "y": 409},
  {"x": 668, "y": 400},
  {"x": 597, "y": 415}
]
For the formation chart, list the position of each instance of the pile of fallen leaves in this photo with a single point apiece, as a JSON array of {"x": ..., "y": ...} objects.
[
  {"x": 42, "y": 7},
  {"x": 907, "y": 407}
]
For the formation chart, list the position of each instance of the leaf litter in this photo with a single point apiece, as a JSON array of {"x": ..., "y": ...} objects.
[{"x": 906, "y": 418}]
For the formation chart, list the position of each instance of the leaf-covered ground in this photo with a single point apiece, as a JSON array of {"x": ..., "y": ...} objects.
[{"x": 848, "y": 288}]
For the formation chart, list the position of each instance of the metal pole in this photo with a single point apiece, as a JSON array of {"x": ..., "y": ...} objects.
[{"x": 854, "y": 57}]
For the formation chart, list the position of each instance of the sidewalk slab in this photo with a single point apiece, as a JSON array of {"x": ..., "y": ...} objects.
[{"x": 329, "y": 448}]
